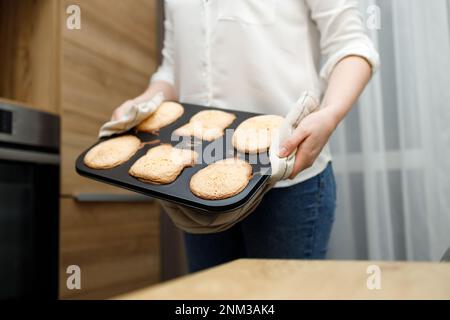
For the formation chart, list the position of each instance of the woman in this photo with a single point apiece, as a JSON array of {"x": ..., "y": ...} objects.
[{"x": 259, "y": 56}]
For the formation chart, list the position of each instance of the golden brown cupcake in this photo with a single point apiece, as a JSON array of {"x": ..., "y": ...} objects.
[
  {"x": 254, "y": 135},
  {"x": 162, "y": 164},
  {"x": 207, "y": 125},
  {"x": 167, "y": 113},
  {"x": 222, "y": 179},
  {"x": 112, "y": 153}
]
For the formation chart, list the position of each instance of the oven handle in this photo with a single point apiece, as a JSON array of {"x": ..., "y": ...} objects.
[
  {"x": 111, "y": 197},
  {"x": 29, "y": 156}
]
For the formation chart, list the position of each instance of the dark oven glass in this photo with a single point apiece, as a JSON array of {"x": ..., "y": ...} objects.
[{"x": 29, "y": 226}]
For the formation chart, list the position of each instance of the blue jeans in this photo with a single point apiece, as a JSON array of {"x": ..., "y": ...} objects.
[{"x": 290, "y": 223}]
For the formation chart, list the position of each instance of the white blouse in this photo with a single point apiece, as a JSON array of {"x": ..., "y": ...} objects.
[{"x": 259, "y": 55}]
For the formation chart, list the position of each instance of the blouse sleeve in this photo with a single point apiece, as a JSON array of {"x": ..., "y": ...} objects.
[
  {"x": 342, "y": 33},
  {"x": 166, "y": 71}
]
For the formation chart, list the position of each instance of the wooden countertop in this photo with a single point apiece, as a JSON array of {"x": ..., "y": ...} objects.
[{"x": 297, "y": 279}]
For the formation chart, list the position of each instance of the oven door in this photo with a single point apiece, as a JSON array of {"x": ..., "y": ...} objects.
[{"x": 29, "y": 224}]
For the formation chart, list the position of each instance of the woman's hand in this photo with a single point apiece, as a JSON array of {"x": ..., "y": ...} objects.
[
  {"x": 309, "y": 138},
  {"x": 347, "y": 81},
  {"x": 122, "y": 109},
  {"x": 158, "y": 86},
  {"x": 119, "y": 112}
]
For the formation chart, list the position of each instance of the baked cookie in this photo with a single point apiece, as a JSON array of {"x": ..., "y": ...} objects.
[
  {"x": 207, "y": 125},
  {"x": 113, "y": 152},
  {"x": 168, "y": 112},
  {"x": 222, "y": 179},
  {"x": 162, "y": 164},
  {"x": 254, "y": 134}
]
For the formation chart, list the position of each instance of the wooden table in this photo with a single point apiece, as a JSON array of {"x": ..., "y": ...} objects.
[{"x": 297, "y": 279}]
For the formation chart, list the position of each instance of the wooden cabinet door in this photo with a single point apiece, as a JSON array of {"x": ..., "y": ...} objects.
[
  {"x": 29, "y": 38},
  {"x": 109, "y": 60},
  {"x": 116, "y": 247}
]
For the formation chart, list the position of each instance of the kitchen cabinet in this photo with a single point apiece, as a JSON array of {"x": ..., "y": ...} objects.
[
  {"x": 29, "y": 67},
  {"x": 114, "y": 254},
  {"x": 110, "y": 59},
  {"x": 82, "y": 75}
]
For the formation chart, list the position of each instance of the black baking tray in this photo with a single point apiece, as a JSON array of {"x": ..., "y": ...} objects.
[{"x": 178, "y": 191}]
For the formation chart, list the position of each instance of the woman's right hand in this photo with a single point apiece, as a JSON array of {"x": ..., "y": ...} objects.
[
  {"x": 157, "y": 86},
  {"x": 122, "y": 109}
]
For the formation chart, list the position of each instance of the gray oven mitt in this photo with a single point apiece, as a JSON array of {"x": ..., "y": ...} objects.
[
  {"x": 132, "y": 117},
  {"x": 197, "y": 221}
]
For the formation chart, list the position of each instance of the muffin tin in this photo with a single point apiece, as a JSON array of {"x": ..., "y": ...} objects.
[{"x": 178, "y": 191}]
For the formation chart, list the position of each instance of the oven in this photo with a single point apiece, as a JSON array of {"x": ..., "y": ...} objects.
[{"x": 29, "y": 203}]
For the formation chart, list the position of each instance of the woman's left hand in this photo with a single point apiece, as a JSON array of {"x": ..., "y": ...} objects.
[{"x": 309, "y": 138}]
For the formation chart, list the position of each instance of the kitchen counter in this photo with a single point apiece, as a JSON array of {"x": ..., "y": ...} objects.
[{"x": 297, "y": 279}]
